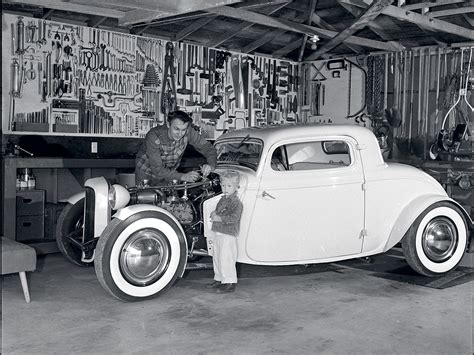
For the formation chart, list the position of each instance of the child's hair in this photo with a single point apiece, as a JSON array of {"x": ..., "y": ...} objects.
[{"x": 230, "y": 175}]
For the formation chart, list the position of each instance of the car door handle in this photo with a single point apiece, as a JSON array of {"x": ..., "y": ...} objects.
[{"x": 266, "y": 194}]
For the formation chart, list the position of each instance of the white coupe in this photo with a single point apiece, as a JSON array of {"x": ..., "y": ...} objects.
[{"x": 311, "y": 194}]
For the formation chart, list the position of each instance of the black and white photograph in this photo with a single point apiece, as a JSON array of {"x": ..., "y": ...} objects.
[{"x": 237, "y": 177}]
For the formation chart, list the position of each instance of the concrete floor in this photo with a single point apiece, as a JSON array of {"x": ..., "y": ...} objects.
[{"x": 333, "y": 309}]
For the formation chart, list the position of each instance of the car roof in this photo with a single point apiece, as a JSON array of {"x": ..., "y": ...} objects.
[
  {"x": 271, "y": 134},
  {"x": 274, "y": 134}
]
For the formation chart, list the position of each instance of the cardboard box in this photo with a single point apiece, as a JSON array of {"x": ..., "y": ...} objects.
[
  {"x": 65, "y": 128},
  {"x": 31, "y": 127}
]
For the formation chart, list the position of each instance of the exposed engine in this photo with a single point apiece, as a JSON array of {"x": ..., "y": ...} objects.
[{"x": 183, "y": 201}]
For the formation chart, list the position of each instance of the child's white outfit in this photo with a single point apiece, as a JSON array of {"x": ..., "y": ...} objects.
[{"x": 229, "y": 208}]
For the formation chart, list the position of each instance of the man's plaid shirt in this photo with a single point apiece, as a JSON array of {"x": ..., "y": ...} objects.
[{"x": 159, "y": 155}]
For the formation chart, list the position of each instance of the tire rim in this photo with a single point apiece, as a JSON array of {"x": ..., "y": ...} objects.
[
  {"x": 440, "y": 238},
  {"x": 145, "y": 257}
]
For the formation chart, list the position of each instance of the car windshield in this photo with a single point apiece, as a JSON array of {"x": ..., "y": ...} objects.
[{"x": 243, "y": 151}]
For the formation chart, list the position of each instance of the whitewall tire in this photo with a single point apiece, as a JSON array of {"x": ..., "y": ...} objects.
[
  {"x": 141, "y": 256},
  {"x": 437, "y": 240}
]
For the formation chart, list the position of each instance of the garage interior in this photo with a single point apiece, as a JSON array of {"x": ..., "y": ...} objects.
[{"x": 83, "y": 83}]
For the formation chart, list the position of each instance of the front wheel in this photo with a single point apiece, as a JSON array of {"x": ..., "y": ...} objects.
[
  {"x": 437, "y": 240},
  {"x": 141, "y": 256},
  {"x": 69, "y": 231}
]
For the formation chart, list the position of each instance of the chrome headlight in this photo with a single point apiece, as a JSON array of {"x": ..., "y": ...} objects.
[{"x": 118, "y": 197}]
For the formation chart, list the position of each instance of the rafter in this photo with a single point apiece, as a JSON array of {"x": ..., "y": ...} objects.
[
  {"x": 379, "y": 29},
  {"x": 374, "y": 26},
  {"x": 98, "y": 22},
  {"x": 371, "y": 13},
  {"x": 281, "y": 52},
  {"x": 450, "y": 12},
  {"x": 196, "y": 25},
  {"x": 427, "y": 4},
  {"x": 72, "y": 7},
  {"x": 167, "y": 8},
  {"x": 270, "y": 35},
  {"x": 419, "y": 20},
  {"x": 312, "y": 7},
  {"x": 250, "y": 16},
  {"x": 240, "y": 27},
  {"x": 468, "y": 19}
]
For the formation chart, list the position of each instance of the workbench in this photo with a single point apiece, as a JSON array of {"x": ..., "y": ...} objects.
[{"x": 59, "y": 177}]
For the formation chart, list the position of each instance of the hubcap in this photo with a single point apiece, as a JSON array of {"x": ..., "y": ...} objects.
[
  {"x": 145, "y": 257},
  {"x": 439, "y": 239}
]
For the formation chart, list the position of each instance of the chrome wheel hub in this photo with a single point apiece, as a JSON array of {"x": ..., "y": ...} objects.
[
  {"x": 440, "y": 239},
  {"x": 145, "y": 257}
]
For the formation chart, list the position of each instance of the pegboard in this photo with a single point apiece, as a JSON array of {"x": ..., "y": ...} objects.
[{"x": 63, "y": 79}]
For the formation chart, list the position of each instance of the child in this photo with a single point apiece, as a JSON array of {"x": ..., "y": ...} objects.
[{"x": 225, "y": 223}]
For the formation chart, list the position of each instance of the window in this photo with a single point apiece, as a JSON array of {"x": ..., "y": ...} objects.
[
  {"x": 311, "y": 155},
  {"x": 244, "y": 151}
]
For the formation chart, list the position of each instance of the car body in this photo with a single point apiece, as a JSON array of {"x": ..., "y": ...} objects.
[{"x": 310, "y": 194}]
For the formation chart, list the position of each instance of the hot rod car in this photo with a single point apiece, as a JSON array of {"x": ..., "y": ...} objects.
[{"x": 311, "y": 194}]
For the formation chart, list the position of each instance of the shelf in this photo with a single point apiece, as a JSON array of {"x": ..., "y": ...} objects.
[{"x": 70, "y": 163}]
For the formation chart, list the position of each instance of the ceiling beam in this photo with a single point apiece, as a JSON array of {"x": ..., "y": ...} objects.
[
  {"x": 163, "y": 8},
  {"x": 193, "y": 27},
  {"x": 450, "y": 12},
  {"x": 419, "y": 20},
  {"x": 47, "y": 14},
  {"x": 97, "y": 22},
  {"x": 250, "y": 4},
  {"x": 374, "y": 26},
  {"x": 468, "y": 19},
  {"x": 370, "y": 14},
  {"x": 269, "y": 36},
  {"x": 240, "y": 27},
  {"x": 281, "y": 52},
  {"x": 321, "y": 23},
  {"x": 379, "y": 30},
  {"x": 269, "y": 21},
  {"x": 312, "y": 7},
  {"x": 426, "y": 4},
  {"x": 72, "y": 7}
]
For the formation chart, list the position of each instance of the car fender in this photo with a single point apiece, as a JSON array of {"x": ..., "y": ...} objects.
[
  {"x": 128, "y": 211},
  {"x": 412, "y": 211},
  {"x": 75, "y": 198}
]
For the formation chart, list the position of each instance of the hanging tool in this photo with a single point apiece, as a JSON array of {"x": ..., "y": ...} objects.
[
  {"x": 168, "y": 94},
  {"x": 450, "y": 140}
]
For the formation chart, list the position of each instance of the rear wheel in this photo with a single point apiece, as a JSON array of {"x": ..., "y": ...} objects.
[
  {"x": 69, "y": 231},
  {"x": 437, "y": 240},
  {"x": 141, "y": 256}
]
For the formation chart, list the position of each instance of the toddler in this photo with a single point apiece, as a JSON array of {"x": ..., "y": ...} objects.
[{"x": 225, "y": 223}]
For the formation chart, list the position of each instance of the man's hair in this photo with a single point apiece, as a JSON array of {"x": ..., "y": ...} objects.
[
  {"x": 180, "y": 115},
  {"x": 230, "y": 175}
]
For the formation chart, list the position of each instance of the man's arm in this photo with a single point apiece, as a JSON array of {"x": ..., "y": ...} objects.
[
  {"x": 203, "y": 146},
  {"x": 152, "y": 143}
]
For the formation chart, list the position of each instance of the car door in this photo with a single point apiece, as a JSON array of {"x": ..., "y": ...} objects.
[{"x": 311, "y": 205}]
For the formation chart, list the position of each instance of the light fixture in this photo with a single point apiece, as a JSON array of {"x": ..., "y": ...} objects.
[{"x": 314, "y": 41}]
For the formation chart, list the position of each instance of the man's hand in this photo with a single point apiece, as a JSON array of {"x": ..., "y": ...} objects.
[
  {"x": 206, "y": 170},
  {"x": 190, "y": 176}
]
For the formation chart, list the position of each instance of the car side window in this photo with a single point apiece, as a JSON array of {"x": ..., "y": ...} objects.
[
  {"x": 279, "y": 161},
  {"x": 315, "y": 155}
]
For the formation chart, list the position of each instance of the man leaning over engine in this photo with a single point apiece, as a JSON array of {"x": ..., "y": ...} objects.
[{"x": 163, "y": 148}]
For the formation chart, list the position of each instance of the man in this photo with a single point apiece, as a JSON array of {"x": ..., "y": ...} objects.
[{"x": 163, "y": 148}]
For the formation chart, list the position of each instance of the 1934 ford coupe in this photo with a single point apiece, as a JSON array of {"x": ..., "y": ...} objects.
[{"x": 311, "y": 194}]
